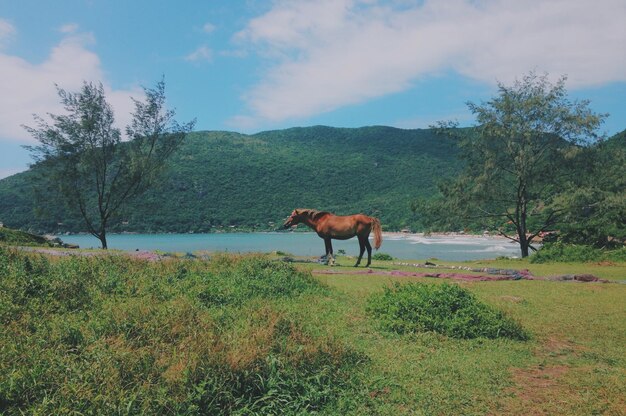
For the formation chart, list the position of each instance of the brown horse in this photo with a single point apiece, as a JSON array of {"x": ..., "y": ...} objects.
[{"x": 329, "y": 226}]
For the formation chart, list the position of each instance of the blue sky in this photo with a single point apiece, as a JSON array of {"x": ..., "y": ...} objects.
[{"x": 253, "y": 65}]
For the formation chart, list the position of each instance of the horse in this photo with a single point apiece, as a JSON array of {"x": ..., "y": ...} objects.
[{"x": 329, "y": 226}]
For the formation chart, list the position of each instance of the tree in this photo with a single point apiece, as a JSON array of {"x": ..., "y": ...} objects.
[
  {"x": 594, "y": 209},
  {"x": 84, "y": 159},
  {"x": 519, "y": 157}
]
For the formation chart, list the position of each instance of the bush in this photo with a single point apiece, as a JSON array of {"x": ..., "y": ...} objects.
[
  {"x": 559, "y": 252},
  {"x": 382, "y": 256},
  {"x": 444, "y": 308},
  {"x": 113, "y": 335},
  {"x": 21, "y": 238}
]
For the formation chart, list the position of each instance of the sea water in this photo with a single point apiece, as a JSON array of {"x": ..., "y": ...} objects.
[{"x": 400, "y": 246}]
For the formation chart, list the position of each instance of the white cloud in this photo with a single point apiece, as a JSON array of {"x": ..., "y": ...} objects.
[
  {"x": 28, "y": 88},
  {"x": 7, "y": 32},
  {"x": 203, "y": 53},
  {"x": 208, "y": 28},
  {"x": 333, "y": 53},
  {"x": 69, "y": 28}
]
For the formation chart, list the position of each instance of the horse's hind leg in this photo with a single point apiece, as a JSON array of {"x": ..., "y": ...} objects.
[
  {"x": 369, "y": 252},
  {"x": 361, "y": 251}
]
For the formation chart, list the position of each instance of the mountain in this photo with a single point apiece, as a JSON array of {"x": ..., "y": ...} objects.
[
  {"x": 616, "y": 142},
  {"x": 225, "y": 180}
]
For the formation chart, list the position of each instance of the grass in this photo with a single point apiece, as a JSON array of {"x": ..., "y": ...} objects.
[
  {"x": 248, "y": 335},
  {"x": 573, "y": 364},
  {"x": 112, "y": 335}
]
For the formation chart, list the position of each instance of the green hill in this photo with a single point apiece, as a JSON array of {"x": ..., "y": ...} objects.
[
  {"x": 230, "y": 181},
  {"x": 224, "y": 180}
]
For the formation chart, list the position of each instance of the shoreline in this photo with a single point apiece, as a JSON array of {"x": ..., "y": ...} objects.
[
  {"x": 397, "y": 234},
  {"x": 445, "y": 246},
  {"x": 385, "y": 234}
]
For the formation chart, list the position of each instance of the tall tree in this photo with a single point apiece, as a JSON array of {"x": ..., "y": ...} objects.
[
  {"x": 85, "y": 160},
  {"x": 519, "y": 158}
]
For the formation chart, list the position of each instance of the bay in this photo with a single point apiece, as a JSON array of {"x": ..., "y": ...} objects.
[{"x": 400, "y": 246}]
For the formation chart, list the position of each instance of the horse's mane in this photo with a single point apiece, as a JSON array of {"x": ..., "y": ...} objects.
[{"x": 312, "y": 213}]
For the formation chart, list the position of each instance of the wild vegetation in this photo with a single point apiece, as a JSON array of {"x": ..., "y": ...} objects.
[
  {"x": 562, "y": 252},
  {"x": 21, "y": 238},
  {"x": 251, "y": 335},
  {"x": 116, "y": 336}
]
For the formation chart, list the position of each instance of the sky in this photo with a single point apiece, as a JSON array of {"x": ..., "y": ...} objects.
[{"x": 255, "y": 65}]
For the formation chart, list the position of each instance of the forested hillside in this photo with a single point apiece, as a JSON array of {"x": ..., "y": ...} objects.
[{"x": 224, "y": 181}]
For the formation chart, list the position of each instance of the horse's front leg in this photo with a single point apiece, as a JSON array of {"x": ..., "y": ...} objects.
[
  {"x": 329, "y": 251},
  {"x": 361, "y": 251},
  {"x": 329, "y": 247}
]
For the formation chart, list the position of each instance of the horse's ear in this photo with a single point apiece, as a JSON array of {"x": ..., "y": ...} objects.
[{"x": 295, "y": 212}]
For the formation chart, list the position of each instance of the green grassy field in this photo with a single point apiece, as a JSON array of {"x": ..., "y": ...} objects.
[
  {"x": 574, "y": 364},
  {"x": 250, "y": 335}
]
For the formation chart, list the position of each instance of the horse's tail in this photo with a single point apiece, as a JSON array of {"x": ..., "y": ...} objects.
[{"x": 378, "y": 233}]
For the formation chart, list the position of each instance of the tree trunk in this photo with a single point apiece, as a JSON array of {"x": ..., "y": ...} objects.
[
  {"x": 524, "y": 247},
  {"x": 103, "y": 239},
  {"x": 522, "y": 239},
  {"x": 521, "y": 230}
]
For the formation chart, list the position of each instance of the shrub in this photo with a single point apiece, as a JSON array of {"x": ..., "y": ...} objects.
[
  {"x": 382, "y": 256},
  {"x": 21, "y": 238},
  {"x": 444, "y": 308},
  {"x": 559, "y": 252}
]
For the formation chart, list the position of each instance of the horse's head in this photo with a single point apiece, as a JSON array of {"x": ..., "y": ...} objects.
[
  {"x": 296, "y": 217},
  {"x": 304, "y": 215}
]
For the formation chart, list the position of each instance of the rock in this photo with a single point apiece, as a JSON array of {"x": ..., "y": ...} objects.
[
  {"x": 585, "y": 278},
  {"x": 577, "y": 278}
]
